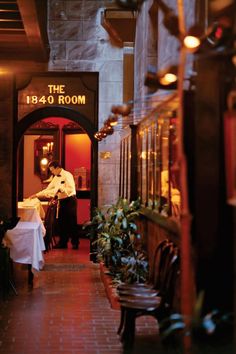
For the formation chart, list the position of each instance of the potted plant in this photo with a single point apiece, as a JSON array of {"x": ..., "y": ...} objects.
[{"x": 115, "y": 235}]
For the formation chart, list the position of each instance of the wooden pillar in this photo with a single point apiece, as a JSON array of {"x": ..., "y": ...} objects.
[
  {"x": 7, "y": 168},
  {"x": 133, "y": 162},
  {"x": 212, "y": 218},
  {"x": 128, "y": 72}
]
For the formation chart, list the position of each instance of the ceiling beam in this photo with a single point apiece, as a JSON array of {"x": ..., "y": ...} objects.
[
  {"x": 120, "y": 24},
  {"x": 33, "y": 14}
]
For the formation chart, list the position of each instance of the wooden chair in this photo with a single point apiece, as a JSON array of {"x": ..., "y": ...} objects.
[
  {"x": 130, "y": 292},
  {"x": 158, "y": 306},
  {"x": 160, "y": 257},
  {"x": 49, "y": 223}
]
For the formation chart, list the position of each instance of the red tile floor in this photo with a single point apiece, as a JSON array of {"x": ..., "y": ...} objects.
[{"x": 67, "y": 312}]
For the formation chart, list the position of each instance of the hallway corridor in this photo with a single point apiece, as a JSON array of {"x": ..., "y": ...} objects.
[{"x": 67, "y": 312}]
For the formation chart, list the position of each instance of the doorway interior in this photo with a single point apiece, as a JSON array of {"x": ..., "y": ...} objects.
[{"x": 56, "y": 138}]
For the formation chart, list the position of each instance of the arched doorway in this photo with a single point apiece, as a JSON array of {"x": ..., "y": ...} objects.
[{"x": 66, "y": 113}]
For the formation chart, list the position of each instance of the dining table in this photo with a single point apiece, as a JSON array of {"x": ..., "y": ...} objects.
[
  {"x": 32, "y": 210},
  {"x": 26, "y": 244},
  {"x": 26, "y": 240}
]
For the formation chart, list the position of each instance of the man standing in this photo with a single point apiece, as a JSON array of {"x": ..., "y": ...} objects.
[{"x": 62, "y": 187}]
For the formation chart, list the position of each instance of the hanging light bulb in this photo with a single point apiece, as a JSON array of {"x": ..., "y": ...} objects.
[
  {"x": 216, "y": 35},
  {"x": 168, "y": 79},
  {"x": 191, "y": 42},
  {"x": 112, "y": 120},
  {"x": 108, "y": 129},
  {"x": 98, "y": 136},
  {"x": 165, "y": 79},
  {"x": 44, "y": 161},
  {"x": 193, "y": 37},
  {"x": 103, "y": 133}
]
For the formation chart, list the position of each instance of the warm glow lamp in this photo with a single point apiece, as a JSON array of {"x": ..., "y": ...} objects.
[
  {"x": 191, "y": 42},
  {"x": 168, "y": 78},
  {"x": 216, "y": 35},
  {"x": 192, "y": 39},
  {"x": 44, "y": 161},
  {"x": 112, "y": 120},
  {"x": 164, "y": 79},
  {"x": 103, "y": 133},
  {"x": 98, "y": 136},
  {"x": 108, "y": 129}
]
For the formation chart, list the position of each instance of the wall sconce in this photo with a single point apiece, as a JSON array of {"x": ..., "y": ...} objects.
[
  {"x": 123, "y": 110},
  {"x": 130, "y": 4},
  {"x": 164, "y": 79},
  {"x": 108, "y": 129},
  {"x": 103, "y": 132},
  {"x": 192, "y": 39},
  {"x": 170, "y": 20},
  {"x": 43, "y": 154},
  {"x": 216, "y": 35},
  {"x": 219, "y": 33},
  {"x": 112, "y": 120},
  {"x": 98, "y": 136},
  {"x": 44, "y": 167}
]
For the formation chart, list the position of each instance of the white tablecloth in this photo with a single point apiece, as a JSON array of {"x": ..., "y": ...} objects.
[
  {"x": 26, "y": 244},
  {"x": 33, "y": 203},
  {"x": 32, "y": 212}
]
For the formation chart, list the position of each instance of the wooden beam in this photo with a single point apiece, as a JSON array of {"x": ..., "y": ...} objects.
[
  {"x": 120, "y": 24},
  {"x": 21, "y": 65},
  {"x": 34, "y": 17}
]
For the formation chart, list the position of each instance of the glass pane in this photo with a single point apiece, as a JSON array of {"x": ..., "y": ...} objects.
[
  {"x": 139, "y": 163},
  {"x": 126, "y": 152},
  {"x": 123, "y": 169},
  {"x": 144, "y": 166},
  {"x": 174, "y": 170},
  {"x": 165, "y": 183},
  {"x": 158, "y": 165},
  {"x": 129, "y": 165},
  {"x": 150, "y": 165}
]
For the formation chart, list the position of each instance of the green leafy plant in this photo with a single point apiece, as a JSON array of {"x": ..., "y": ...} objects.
[
  {"x": 210, "y": 333},
  {"x": 115, "y": 235}
]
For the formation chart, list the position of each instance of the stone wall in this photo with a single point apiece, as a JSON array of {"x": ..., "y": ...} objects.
[
  {"x": 79, "y": 43},
  {"x": 155, "y": 46}
]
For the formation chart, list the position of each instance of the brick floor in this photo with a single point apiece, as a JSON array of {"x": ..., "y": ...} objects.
[{"x": 67, "y": 311}]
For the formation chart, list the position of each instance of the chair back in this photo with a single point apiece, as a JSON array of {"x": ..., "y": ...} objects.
[
  {"x": 169, "y": 280},
  {"x": 162, "y": 264},
  {"x": 50, "y": 213},
  {"x": 154, "y": 270},
  {"x": 49, "y": 222}
]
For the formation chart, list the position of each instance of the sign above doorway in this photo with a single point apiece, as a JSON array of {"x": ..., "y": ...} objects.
[{"x": 78, "y": 91}]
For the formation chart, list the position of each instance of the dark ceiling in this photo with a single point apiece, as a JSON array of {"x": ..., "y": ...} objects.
[{"x": 23, "y": 30}]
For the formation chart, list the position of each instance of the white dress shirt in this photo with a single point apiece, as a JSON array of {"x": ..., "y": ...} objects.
[{"x": 63, "y": 186}]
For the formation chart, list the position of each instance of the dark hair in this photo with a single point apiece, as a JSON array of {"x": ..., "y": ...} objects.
[{"x": 54, "y": 164}]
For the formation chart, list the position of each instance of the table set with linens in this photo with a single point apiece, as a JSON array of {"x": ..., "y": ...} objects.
[{"x": 25, "y": 240}]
